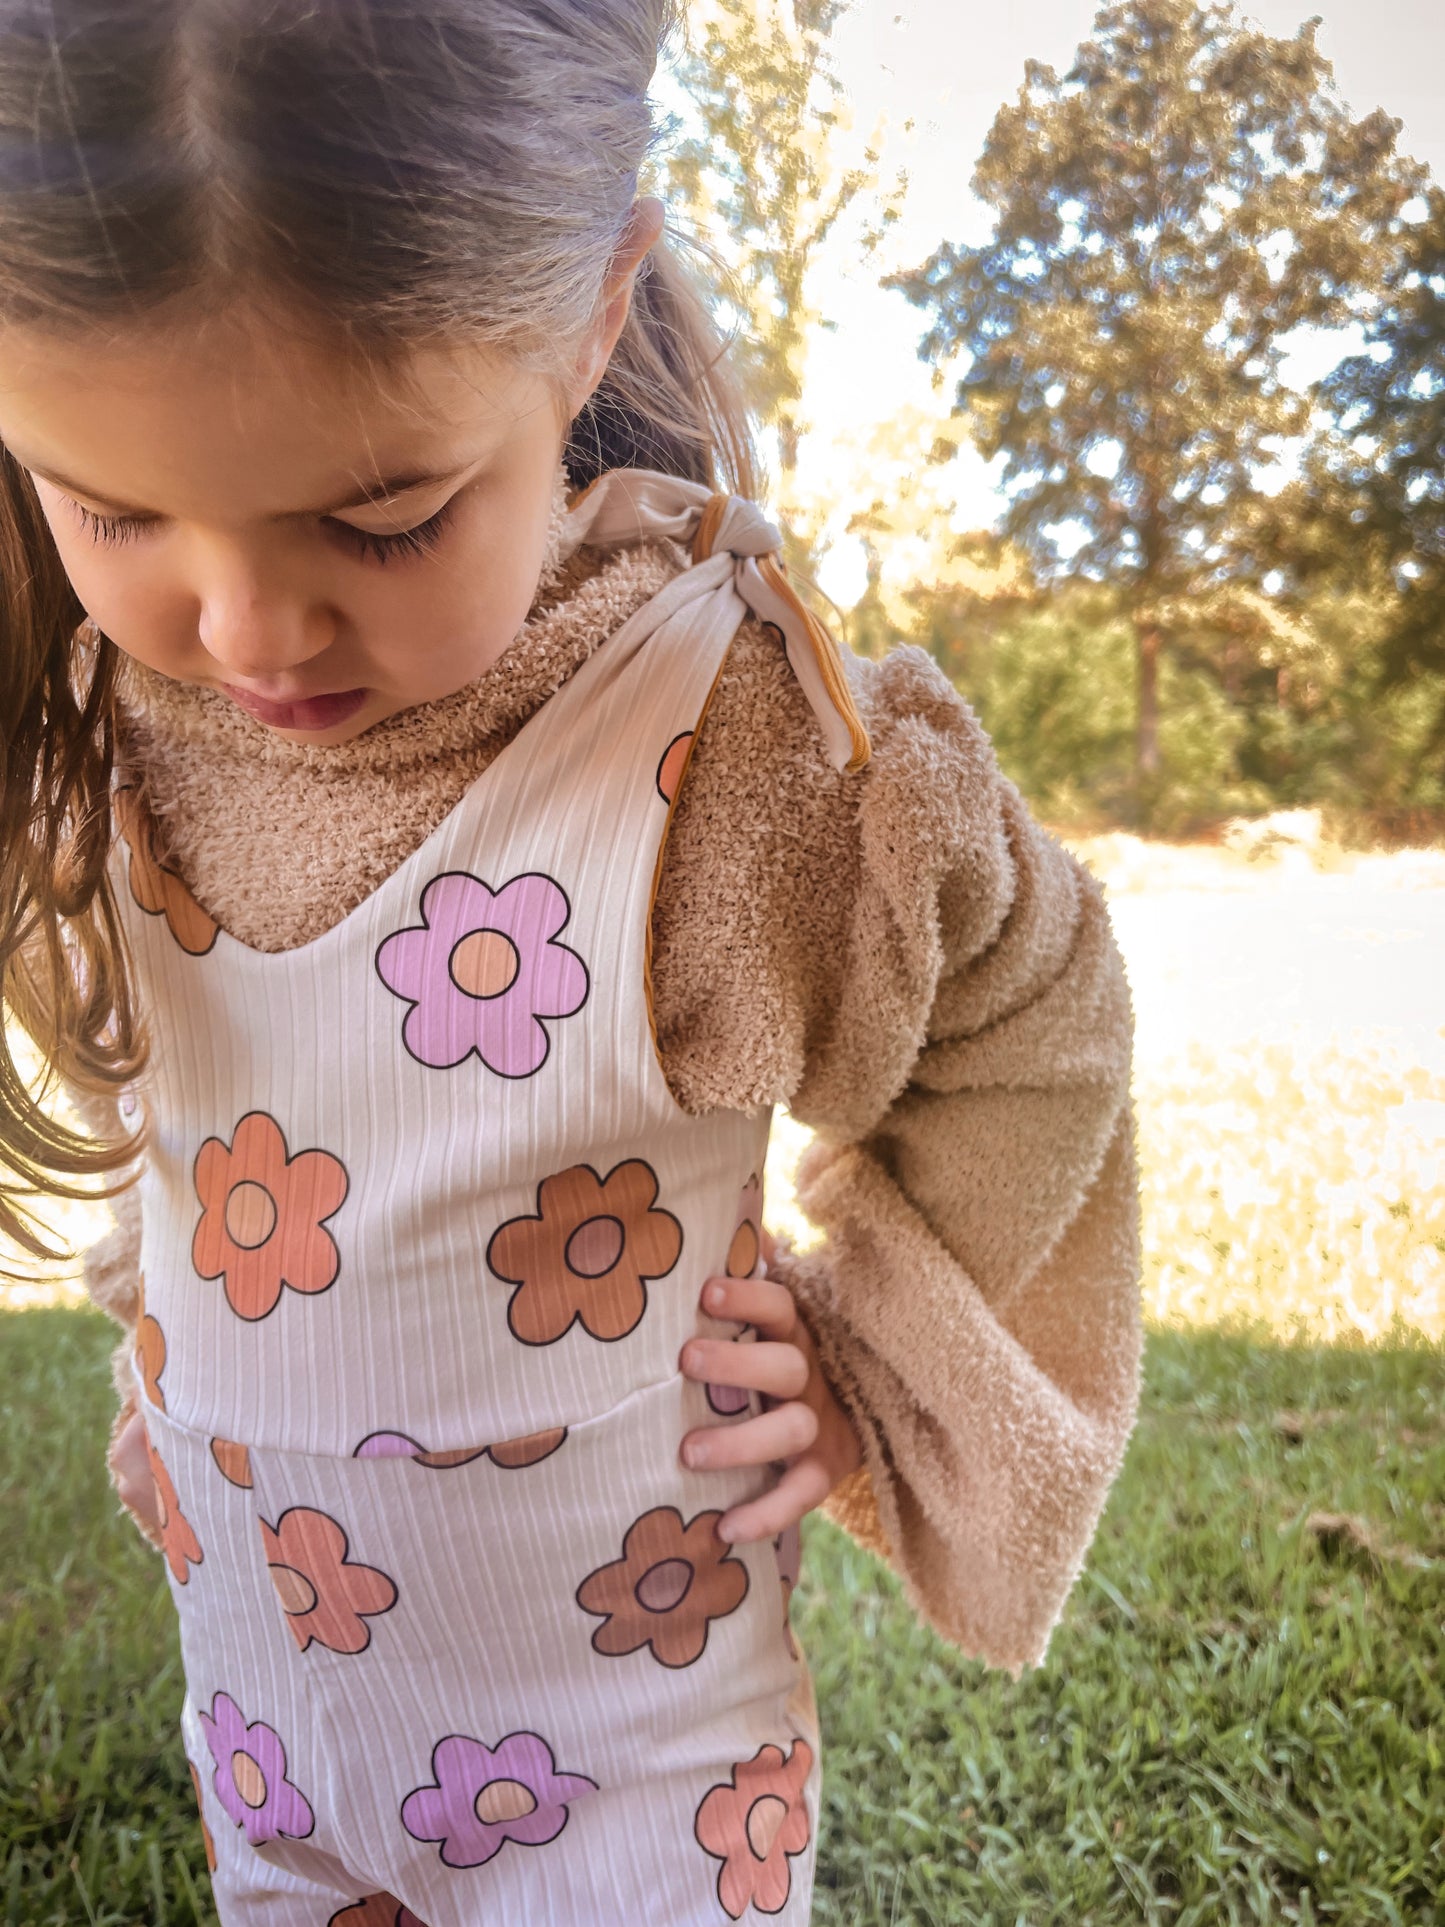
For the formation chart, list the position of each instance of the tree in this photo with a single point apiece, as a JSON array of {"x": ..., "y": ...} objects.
[
  {"x": 1372, "y": 501},
  {"x": 1187, "y": 193},
  {"x": 764, "y": 178}
]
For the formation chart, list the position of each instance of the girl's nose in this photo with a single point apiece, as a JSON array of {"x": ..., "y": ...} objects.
[{"x": 254, "y": 630}]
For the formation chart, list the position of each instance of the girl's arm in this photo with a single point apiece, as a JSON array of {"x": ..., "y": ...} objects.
[{"x": 942, "y": 977}]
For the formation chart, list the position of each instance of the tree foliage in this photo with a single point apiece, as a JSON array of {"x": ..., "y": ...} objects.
[
  {"x": 1370, "y": 505},
  {"x": 1187, "y": 193},
  {"x": 765, "y": 180}
]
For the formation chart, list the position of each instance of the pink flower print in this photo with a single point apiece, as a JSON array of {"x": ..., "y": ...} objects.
[
  {"x": 483, "y": 1798},
  {"x": 482, "y": 970},
  {"x": 250, "y": 1777}
]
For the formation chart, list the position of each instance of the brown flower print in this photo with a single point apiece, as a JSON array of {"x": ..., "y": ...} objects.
[
  {"x": 513, "y": 1454},
  {"x": 206, "y": 1841},
  {"x": 178, "y": 1541},
  {"x": 671, "y": 1582},
  {"x": 156, "y": 886},
  {"x": 264, "y": 1214},
  {"x": 588, "y": 1255},
  {"x": 326, "y": 1596},
  {"x": 233, "y": 1462},
  {"x": 150, "y": 1351},
  {"x": 752, "y": 1823},
  {"x": 376, "y": 1910}
]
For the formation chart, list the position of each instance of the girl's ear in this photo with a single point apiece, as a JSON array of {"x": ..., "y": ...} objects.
[{"x": 638, "y": 240}]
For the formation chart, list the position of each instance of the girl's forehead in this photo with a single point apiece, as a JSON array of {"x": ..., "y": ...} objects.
[{"x": 170, "y": 419}]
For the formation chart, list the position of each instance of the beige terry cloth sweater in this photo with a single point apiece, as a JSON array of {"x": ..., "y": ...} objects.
[{"x": 899, "y": 955}]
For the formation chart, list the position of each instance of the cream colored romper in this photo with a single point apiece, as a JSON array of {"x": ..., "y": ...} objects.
[{"x": 425, "y": 1232}]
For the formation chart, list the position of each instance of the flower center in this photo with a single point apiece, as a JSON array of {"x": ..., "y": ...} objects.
[
  {"x": 595, "y": 1246},
  {"x": 743, "y": 1251},
  {"x": 664, "y": 1586},
  {"x": 298, "y": 1595},
  {"x": 502, "y": 1800},
  {"x": 250, "y": 1215},
  {"x": 249, "y": 1780},
  {"x": 765, "y": 1821},
  {"x": 484, "y": 963}
]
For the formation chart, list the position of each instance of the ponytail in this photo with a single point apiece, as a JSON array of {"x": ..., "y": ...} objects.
[{"x": 668, "y": 400}]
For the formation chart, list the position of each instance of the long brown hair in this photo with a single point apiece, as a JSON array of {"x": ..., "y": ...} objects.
[{"x": 392, "y": 171}]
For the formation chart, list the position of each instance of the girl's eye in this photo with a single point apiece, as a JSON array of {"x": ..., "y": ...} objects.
[
  {"x": 385, "y": 548},
  {"x": 111, "y": 530}
]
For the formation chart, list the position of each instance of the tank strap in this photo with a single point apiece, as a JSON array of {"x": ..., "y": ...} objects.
[{"x": 629, "y": 505}]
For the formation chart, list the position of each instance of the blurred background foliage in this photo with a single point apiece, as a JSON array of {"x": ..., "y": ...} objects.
[{"x": 1153, "y": 638}]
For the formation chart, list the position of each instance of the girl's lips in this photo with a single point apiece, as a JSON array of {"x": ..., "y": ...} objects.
[{"x": 309, "y": 713}]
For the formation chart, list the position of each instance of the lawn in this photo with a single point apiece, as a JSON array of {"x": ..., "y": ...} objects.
[
  {"x": 1241, "y": 1719},
  {"x": 1242, "y": 1715}
]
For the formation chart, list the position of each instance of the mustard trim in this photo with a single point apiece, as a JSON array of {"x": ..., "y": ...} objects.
[
  {"x": 662, "y": 852},
  {"x": 709, "y": 522},
  {"x": 828, "y": 657}
]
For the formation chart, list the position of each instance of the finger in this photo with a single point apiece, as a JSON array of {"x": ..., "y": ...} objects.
[
  {"x": 803, "y": 1486},
  {"x": 780, "y": 1434},
  {"x": 752, "y": 1301},
  {"x": 781, "y": 1371}
]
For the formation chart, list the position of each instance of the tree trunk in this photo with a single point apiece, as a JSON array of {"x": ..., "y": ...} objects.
[{"x": 1146, "y": 745}]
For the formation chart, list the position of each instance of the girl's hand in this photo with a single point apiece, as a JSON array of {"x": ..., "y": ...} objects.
[
  {"x": 131, "y": 1466},
  {"x": 803, "y": 1425}
]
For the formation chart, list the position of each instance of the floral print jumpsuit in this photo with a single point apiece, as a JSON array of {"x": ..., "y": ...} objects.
[{"x": 424, "y": 1234}]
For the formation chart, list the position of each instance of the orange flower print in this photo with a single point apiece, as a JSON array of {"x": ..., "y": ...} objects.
[
  {"x": 150, "y": 1351},
  {"x": 669, "y": 1585},
  {"x": 752, "y": 1823},
  {"x": 674, "y": 762},
  {"x": 263, "y": 1216},
  {"x": 179, "y": 1543},
  {"x": 588, "y": 1255},
  {"x": 156, "y": 886},
  {"x": 376, "y": 1910},
  {"x": 233, "y": 1462},
  {"x": 747, "y": 1240},
  {"x": 206, "y": 1841},
  {"x": 326, "y": 1596}
]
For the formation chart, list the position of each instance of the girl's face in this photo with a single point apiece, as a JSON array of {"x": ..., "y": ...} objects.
[{"x": 238, "y": 510}]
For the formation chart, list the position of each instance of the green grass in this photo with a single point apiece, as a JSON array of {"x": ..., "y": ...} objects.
[{"x": 1241, "y": 1718}]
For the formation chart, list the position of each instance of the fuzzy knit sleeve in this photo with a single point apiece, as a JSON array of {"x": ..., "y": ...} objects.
[{"x": 962, "y": 1033}]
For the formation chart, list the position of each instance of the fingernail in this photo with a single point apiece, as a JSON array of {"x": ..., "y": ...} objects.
[
  {"x": 715, "y": 1296},
  {"x": 691, "y": 1359},
  {"x": 696, "y": 1453},
  {"x": 726, "y": 1532}
]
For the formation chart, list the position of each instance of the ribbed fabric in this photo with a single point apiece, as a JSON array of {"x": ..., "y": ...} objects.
[{"x": 424, "y": 1233}]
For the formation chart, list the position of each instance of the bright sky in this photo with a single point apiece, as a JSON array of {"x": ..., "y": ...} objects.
[{"x": 948, "y": 65}]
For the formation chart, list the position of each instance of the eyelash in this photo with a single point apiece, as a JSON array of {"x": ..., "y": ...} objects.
[{"x": 366, "y": 544}]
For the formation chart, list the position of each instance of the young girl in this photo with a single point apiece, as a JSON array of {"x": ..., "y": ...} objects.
[{"x": 434, "y": 838}]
